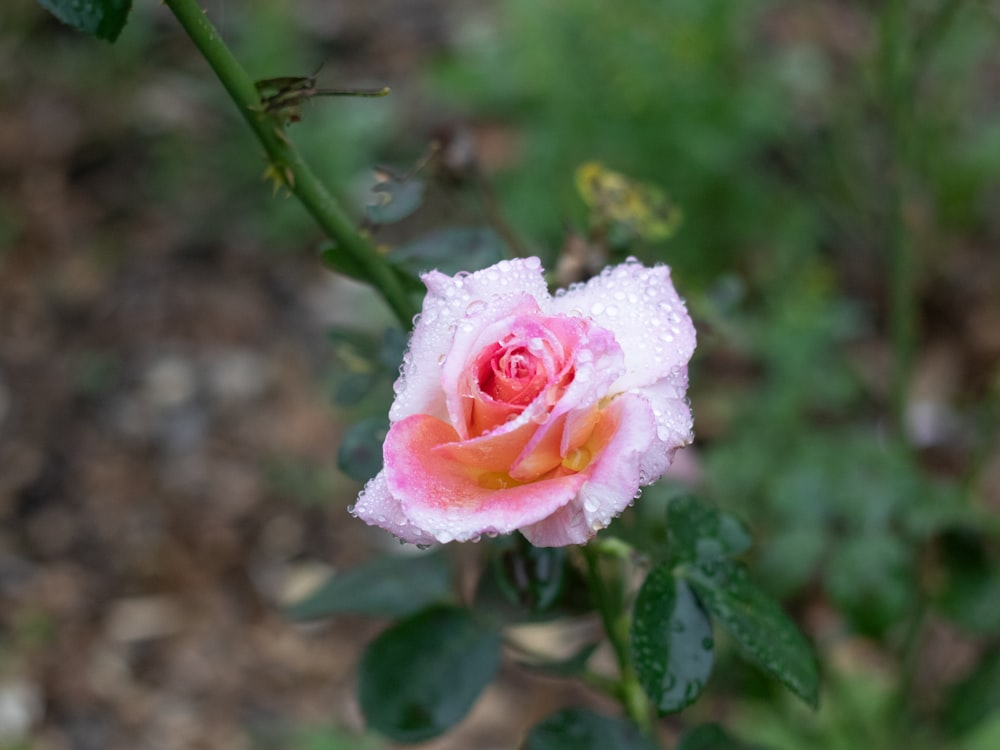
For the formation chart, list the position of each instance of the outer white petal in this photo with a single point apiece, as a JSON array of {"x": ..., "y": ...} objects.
[
  {"x": 674, "y": 424},
  {"x": 377, "y": 507},
  {"x": 449, "y": 300},
  {"x": 642, "y": 309}
]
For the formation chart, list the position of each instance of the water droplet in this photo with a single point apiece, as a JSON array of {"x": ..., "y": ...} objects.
[
  {"x": 597, "y": 308},
  {"x": 475, "y": 307}
]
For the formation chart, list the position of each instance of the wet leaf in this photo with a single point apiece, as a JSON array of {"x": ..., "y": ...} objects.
[
  {"x": 672, "y": 643},
  {"x": 104, "y": 19},
  {"x": 765, "y": 635},
  {"x": 422, "y": 675},
  {"x": 360, "y": 454},
  {"x": 698, "y": 533},
  {"x": 577, "y": 729},
  {"x": 386, "y": 586},
  {"x": 531, "y": 577}
]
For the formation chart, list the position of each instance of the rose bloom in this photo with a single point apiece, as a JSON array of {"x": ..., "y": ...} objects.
[{"x": 517, "y": 410}]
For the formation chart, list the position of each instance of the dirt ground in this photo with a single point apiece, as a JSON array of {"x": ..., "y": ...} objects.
[{"x": 167, "y": 434}]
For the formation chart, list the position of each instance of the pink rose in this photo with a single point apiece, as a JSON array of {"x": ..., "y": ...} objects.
[{"x": 516, "y": 410}]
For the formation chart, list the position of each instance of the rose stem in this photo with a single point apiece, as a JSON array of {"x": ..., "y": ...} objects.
[
  {"x": 285, "y": 162},
  {"x": 609, "y": 597}
]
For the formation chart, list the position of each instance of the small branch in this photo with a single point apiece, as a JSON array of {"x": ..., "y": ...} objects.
[{"x": 286, "y": 164}]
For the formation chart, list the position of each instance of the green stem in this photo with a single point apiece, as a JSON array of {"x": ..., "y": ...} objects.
[
  {"x": 894, "y": 74},
  {"x": 286, "y": 164},
  {"x": 610, "y": 601}
]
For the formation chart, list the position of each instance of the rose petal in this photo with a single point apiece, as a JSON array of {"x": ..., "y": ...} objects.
[
  {"x": 450, "y": 500},
  {"x": 641, "y": 308},
  {"x": 448, "y": 301},
  {"x": 377, "y": 507},
  {"x": 674, "y": 423},
  {"x": 470, "y": 338},
  {"x": 598, "y": 363},
  {"x": 613, "y": 478}
]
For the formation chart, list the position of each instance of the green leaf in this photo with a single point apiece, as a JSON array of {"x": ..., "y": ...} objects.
[
  {"x": 104, "y": 19},
  {"x": 672, "y": 644},
  {"x": 578, "y": 729},
  {"x": 450, "y": 251},
  {"x": 699, "y": 533},
  {"x": 386, "y": 586},
  {"x": 975, "y": 698},
  {"x": 765, "y": 634},
  {"x": 712, "y": 737},
  {"x": 394, "y": 198},
  {"x": 421, "y": 676},
  {"x": 360, "y": 454},
  {"x": 531, "y": 577}
]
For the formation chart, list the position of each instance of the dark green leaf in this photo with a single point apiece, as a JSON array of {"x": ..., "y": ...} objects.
[
  {"x": 672, "y": 642},
  {"x": 699, "y": 533},
  {"x": 360, "y": 454},
  {"x": 577, "y": 729},
  {"x": 421, "y": 676},
  {"x": 976, "y": 697},
  {"x": 394, "y": 198},
  {"x": 450, "y": 251},
  {"x": 530, "y": 576},
  {"x": 105, "y": 19},
  {"x": 765, "y": 634},
  {"x": 386, "y": 586},
  {"x": 499, "y": 603},
  {"x": 712, "y": 737}
]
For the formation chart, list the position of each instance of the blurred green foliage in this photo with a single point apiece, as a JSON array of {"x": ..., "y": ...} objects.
[{"x": 777, "y": 145}]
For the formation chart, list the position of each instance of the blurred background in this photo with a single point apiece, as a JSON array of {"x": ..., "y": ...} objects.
[{"x": 175, "y": 378}]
